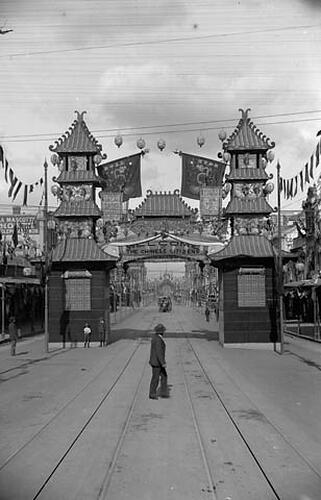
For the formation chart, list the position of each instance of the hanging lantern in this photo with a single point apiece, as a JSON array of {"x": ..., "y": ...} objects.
[
  {"x": 118, "y": 140},
  {"x": 97, "y": 159},
  {"x": 270, "y": 155},
  {"x": 222, "y": 135},
  {"x": 200, "y": 141},
  {"x": 269, "y": 187},
  {"x": 263, "y": 162},
  {"x": 227, "y": 187},
  {"x": 141, "y": 143},
  {"x": 226, "y": 157},
  {"x": 161, "y": 144},
  {"x": 54, "y": 190},
  {"x": 54, "y": 159}
]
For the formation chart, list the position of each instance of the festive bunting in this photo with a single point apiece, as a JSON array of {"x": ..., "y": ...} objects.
[
  {"x": 291, "y": 186},
  {"x": 14, "y": 183}
]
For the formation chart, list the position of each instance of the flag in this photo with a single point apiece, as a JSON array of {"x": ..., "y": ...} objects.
[
  {"x": 301, "y": 180},
  {"x": 123, "y": 175},
  {"x": 15, "y": 236},
  {"x": 4, "y": 162},
  {"x": 198, "y": 172},
  {"x": 296, "y": 185},
  {"x": 307, "y": 179},
  {"x": 317, "y": 155},
  {"x": 311, "y": 167},
  {"x": 25, "y": 195}
]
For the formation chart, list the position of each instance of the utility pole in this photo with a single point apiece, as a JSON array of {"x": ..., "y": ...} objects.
[
  {"x": 279, "y": 265},
  {"x": 45, "y": 235}
]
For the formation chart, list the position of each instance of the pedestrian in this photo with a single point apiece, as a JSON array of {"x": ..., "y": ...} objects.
[
  {"x": 158, "y": 363},
  {"x": 87, "y": 334},
  {"x": 102, "y": 332},
  {"x": 207, "y": 313},
  {"x": 13, "y": 334}
]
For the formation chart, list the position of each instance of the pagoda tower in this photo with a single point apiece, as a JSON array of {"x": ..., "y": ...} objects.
[
  {"x": 247, "y": 273},
  {"x": 79, "y": 274}
]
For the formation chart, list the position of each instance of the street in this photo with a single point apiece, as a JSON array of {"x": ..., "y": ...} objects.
[{"x": 239, "y": 423}]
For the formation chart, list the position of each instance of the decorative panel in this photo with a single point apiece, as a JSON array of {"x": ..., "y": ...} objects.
[
  {"x": 77, "y": 163},
  {"x": 210, "y": 201},
  {"x": 78, "y": 294},
  {"x": 251, "y": 287},
  {"x": 111, "y": 205}
]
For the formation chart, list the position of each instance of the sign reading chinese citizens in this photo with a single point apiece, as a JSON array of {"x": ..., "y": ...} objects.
[{"x": 25, "y": 224}]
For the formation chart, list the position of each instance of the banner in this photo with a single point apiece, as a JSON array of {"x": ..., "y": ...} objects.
[
  {"x": 199, "y": 172},
  {"x": 122, "y": 175}
]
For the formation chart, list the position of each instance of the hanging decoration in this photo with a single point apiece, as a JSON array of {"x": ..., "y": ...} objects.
[
  {"x": 201, "y": 140},
  {"x": 161, "y": 144},
  {"x": 15, "y": 184},
  {"x": 140, "y": 143},
  {"x": 291, "y": 187},
  {"x": 118, "y": 140}
]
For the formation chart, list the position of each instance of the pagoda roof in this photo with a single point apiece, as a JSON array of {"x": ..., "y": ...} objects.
[
  {"x": 247, "y": 136},
  {"x": 255, "y": 206},
  {"x": 77, "y": 176},
  {"x": 163, "y": 205},
  {"x": 79, "y": 250},
  {"x": 77, "y": 139},
  {"x": 247, "y": 174},
  {"x": 257, "y": 246},
  {"x": 81, "y": 208}
]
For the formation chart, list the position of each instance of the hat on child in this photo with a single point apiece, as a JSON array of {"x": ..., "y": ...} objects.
[{"x": 160, "y": 328}]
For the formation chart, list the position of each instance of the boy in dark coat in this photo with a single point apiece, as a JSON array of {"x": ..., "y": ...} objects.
[
  {"x": 158, "y": 363},
  {"x": 13, "y": 334}
]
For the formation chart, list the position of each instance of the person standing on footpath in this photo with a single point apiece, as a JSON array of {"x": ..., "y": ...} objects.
[
  {"x": 207, "y": 313},
  {"x": 102, "y": 332},
  {"x": 158, "y": 363},
  {"x": 13, "y": 334},
  {"x": 87, "y": 334}
]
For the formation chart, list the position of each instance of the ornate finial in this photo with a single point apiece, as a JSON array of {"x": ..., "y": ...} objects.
[
  {"x": 245, "y": 113},
  {"x": 80, "y": 116}
]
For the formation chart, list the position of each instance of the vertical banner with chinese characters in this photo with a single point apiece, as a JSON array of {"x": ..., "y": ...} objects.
[
  {"x": 111, "y": 206},
  {"x": 210, "y": 201}
]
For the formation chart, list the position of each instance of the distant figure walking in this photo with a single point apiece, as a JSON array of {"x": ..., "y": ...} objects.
[
  {"x": 13, "y": 334},
  {"x": 158, "y": 363},
  {"x": 102, "y": 332},
  {"x": 207, "y": 313},
  {"x": 87, "y": 334}
]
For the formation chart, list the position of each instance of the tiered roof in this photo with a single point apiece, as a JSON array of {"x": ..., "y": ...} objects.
[
  {"x": 77, "y": 176},
  {"x": 251, "y": 174},
  {"x": 163, "y": 205},
  {"x": 81, "y": 208},
  {"x": 247, "y": 136},
  {"x": 77, "y": 139},
  {"x": 245, "y": 246},
  {"x": 79, "y": 250},
  {"x": 254, "y": 206}
]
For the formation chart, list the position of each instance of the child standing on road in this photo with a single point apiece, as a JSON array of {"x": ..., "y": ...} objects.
[{"x": 87, "y": 334}]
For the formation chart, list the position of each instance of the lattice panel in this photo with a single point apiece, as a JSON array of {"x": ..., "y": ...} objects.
[
  {"x": 251, "y": 290},
  {"x": 78, "y": 294}
]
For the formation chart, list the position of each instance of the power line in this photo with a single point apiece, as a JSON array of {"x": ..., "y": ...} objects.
[
  {"x": 161, "y": 41},
  {"x": 48, "y": 136}
]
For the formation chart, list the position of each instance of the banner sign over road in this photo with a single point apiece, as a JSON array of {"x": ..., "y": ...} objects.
[{"x": 25, "y": 224}]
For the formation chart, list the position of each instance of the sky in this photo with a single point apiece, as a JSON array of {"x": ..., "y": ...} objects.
[{"x": 171, "y": 69}]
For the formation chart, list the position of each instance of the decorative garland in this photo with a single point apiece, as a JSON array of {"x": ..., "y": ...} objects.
[
  {"x": 16, "y": 184},
  {"x": 291, "y": 186}
]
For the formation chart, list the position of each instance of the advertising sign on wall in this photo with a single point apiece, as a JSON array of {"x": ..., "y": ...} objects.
[{"x": 25, "y": 224}]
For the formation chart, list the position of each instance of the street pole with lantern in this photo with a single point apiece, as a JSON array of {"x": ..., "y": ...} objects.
[{"x": 45, "y": 235}]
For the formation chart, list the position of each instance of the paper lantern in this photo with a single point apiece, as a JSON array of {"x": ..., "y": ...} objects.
[
  {"x": 118, "y": 140},
  {"x": 140, "y": 143}
]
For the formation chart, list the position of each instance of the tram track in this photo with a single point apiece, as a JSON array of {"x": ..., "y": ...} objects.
[
  {"x": 105, "y": 482},
  {"x": 251, "y": 450}
]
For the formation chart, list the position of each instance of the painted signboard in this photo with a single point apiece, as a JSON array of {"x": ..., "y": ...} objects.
[
  {"x": 25, "y": 224},
  {"x": 111, "y": 205},
  {"x": 210, "y": 201}
]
